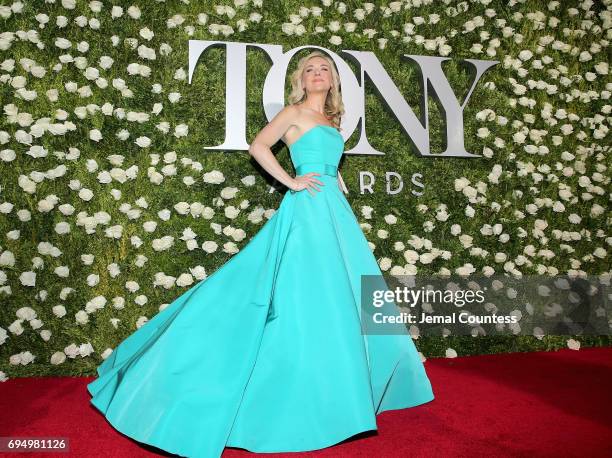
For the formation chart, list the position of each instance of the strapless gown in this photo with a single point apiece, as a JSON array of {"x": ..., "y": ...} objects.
[{"x": 267, "y": 352}]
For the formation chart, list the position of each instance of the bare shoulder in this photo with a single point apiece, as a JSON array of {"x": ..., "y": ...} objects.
[
  {"x": 287, "y": 116},
  {"x": 292, "y": 114},
  {"x": 302, "y": 115},
  {"x": 292, "y": 111}
]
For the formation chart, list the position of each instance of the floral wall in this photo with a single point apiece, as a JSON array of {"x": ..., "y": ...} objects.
[{"x": 110, "y": 207}]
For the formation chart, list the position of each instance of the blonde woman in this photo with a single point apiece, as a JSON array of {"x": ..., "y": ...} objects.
[{"x": 267, "y": 353}]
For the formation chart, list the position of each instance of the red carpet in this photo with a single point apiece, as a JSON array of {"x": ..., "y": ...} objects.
[{"x": 520, "y": 404}]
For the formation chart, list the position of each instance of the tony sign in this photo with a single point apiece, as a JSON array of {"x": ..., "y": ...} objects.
[{"x": 353, "y": 95}]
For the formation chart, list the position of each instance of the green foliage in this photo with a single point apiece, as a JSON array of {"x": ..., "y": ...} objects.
[{"x": 202, "y": 108}]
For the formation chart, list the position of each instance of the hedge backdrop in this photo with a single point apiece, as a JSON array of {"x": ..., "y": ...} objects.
[{"x": 110, "y": 208}]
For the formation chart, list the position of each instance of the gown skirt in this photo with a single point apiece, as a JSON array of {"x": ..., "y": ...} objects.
[{"x": 267, "y": 353}]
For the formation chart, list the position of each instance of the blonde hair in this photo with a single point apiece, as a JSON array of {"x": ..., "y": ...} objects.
[{"x": 334, "y": 108}]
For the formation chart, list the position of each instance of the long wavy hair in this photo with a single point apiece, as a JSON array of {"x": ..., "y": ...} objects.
[{"x": 334, "y": 108}]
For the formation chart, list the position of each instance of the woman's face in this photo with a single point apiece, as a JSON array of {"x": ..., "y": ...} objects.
[{"x": 316, "y": 76}]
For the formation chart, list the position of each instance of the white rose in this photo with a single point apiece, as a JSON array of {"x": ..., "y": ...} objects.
[{"x": 28, "y": 278}]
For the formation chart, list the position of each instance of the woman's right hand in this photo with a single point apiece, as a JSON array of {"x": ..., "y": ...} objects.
[{"x": 306, "y": 181}]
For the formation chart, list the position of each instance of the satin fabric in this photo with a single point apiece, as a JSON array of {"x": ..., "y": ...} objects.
[{"x": 267, "y": 353}]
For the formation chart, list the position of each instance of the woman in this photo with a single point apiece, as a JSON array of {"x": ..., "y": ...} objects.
[{"x": 267, "y": 353}]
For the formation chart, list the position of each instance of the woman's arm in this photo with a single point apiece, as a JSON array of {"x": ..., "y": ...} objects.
[{"x": 268, "y": 136}]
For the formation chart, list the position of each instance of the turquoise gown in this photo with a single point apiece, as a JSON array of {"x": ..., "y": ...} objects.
[{"x": 267, "y": 352}]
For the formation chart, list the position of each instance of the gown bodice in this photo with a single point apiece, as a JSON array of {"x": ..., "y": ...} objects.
[{"x": 319, "y": 149}]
